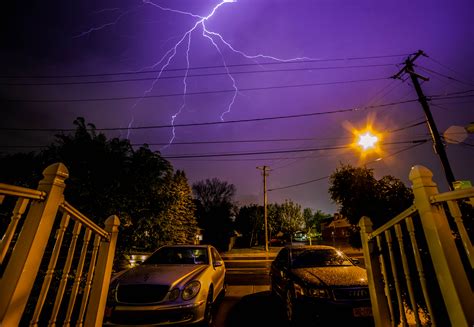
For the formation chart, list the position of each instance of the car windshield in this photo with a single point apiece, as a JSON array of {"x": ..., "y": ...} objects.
[
  {"x": 306, "y": 258},
  {"x": 179, "y": 256}
]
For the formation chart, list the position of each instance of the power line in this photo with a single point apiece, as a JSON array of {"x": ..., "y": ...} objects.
[
  {"x": 212, "y": 123},
  {"x": 201, "y": 67},
  {"x": 233, "y": 141},
  {"x": 449, "y": 68},
  {"x": 445, "y": 76},
  {"x": 278, "y": 151},
  {"x": 326, "y": 177},
  {"x": 18, "y": 100},
  {"x": 187, "y": 76}
]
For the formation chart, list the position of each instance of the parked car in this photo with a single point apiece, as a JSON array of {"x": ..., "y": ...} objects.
[
  {"x": 300, "y": 236},
  {"x": 319, "y": 283},
  {"x": 176, "y": 284}
]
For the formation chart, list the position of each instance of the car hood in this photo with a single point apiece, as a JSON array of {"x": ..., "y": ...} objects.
[
  {"x": 160, "y": 274},
  {"x": 333, "y": 276}
]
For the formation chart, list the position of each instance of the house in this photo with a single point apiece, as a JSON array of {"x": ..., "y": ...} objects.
[{"x": 338, "y": 229}]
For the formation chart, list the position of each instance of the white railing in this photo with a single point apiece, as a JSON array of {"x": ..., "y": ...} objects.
[
  {"x": 24, "y": 266},
  {"x": 439, "y": 269}
]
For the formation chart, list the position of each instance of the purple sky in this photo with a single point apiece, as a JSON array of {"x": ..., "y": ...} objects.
[{"x": 351, "y": 49}]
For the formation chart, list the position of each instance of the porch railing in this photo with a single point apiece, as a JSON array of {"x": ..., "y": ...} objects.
[
  {"x": 26, "y": 272},
  {"x": 422, "y": 260}
]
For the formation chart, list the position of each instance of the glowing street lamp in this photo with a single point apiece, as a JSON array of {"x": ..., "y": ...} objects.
[{"x": 367, "y": 140}]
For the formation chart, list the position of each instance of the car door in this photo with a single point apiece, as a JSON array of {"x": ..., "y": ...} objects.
[
  {"x": 218, "y": 277},
  {"x": 279, "y": 271}
]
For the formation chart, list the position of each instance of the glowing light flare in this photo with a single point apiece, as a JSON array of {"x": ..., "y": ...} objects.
[{"x": 367, "y": 140}]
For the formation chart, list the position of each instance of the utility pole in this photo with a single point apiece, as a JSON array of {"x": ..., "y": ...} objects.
[
  {"x": 437, "y": 142},
  {"x": 264, "y": 170}
]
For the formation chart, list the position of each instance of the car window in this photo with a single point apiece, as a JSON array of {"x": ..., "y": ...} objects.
[
  {"x": 215, "y": 255},
  {"x": 177, "y": 255},
  {"x": 319, "y": 258}
]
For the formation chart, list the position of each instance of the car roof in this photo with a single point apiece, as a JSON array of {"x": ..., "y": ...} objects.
[
  {"x": 309, "y": 247},
  {"x": 204, "y": 246}
]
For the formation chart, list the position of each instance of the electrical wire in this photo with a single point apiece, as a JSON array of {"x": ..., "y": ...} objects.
[
  {"x": 449, "y": 68},
  {"x": 187, "y": 76},
  {"x": 19, "y": 100},
  {"x": 212, "y": 123},
  {"x": 445, "y": 76},
  {"x": 201, "y": 67},
  {"x": 326, "y": 177},
  {"x": 278, "y": 151}
]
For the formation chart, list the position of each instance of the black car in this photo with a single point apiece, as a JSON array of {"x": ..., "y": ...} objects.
[{"x": 317, "y": 283}]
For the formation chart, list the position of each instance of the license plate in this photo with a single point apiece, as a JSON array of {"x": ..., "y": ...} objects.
[{"x": 362, "y": 312}]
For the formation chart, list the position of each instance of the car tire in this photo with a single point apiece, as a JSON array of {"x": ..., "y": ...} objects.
[{"x": 208, "y": 312}]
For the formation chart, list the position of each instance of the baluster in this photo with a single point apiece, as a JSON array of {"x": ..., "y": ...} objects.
[
  {"x": 18, "y": 211},
  {"x": 100, "y": 283},
  {"x": 49, "y": 273},
  {"x": 67, "y": 267},
  {"x": 87, "y": 286},
  {"x": 385, "y": 278},
  {"x": 406, "y": 270},
  {"x": 466, "y": 241},
  {"x": 419, "y": 267},
  {"x": 388, "y": 238},
  {"x": 77, "y": 279}
]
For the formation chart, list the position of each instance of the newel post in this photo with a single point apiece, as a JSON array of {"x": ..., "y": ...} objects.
[
  {"x": 452, "y": 278},
  {"x": 374, "y": 275},
  {"x": 21, "y": 271},
  {"x": 102, "y": 275}
]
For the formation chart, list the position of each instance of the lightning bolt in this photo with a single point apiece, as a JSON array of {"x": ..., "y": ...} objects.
[{"x": 215, "y": 39}]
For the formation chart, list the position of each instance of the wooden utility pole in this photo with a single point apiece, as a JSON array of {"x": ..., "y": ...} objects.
[
  {"x": 437, "y": 142},
  {"x": 264, "y": 170}
]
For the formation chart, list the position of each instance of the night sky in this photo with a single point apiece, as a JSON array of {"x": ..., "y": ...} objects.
[{"x": 307, "y": 73}]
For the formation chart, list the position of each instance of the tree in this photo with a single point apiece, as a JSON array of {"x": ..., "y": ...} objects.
[
  {"x": 177, "y": 216},
  {"x": 249, "y": 223},
  {"x": 108, "y": 176},
  {"x": 215, "y": 210},
  {"x": 359, "y": 193},
  {"x": 292, "y": 216},
  {"x": 313, "y": 220}
]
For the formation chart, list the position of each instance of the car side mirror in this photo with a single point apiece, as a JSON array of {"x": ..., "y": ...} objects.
[{"x": 218, "y": 263}]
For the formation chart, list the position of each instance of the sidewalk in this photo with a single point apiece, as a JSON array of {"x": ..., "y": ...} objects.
[{"x": 257, "y": 251}]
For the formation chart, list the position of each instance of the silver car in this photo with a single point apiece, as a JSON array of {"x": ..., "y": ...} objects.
[{"x": 177, "y": 284}]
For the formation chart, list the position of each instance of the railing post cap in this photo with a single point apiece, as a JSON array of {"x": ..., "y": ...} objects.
[
  {"x": 365, "y": 221},
  {"x": 112, "y": 221},
  {"x": 419, "y": 172},
  {"x": 57, "y": 169}
]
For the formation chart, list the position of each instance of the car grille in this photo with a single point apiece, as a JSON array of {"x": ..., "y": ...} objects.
[
  {"x": 353, "y": 293},
  {"x": 141, "y": 293}
]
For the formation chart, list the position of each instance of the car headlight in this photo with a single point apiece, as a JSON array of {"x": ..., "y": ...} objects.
[
  {"x": 191, "y": 290},
  {"x": 318, "y": 292},
  {"x": 174, "y": 294}
]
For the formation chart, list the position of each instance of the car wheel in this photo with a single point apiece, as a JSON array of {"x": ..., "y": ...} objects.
[{"x": 208, "y": 314}]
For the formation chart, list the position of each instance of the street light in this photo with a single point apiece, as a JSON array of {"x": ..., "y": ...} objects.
[{"x": 367, "y": 140}]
